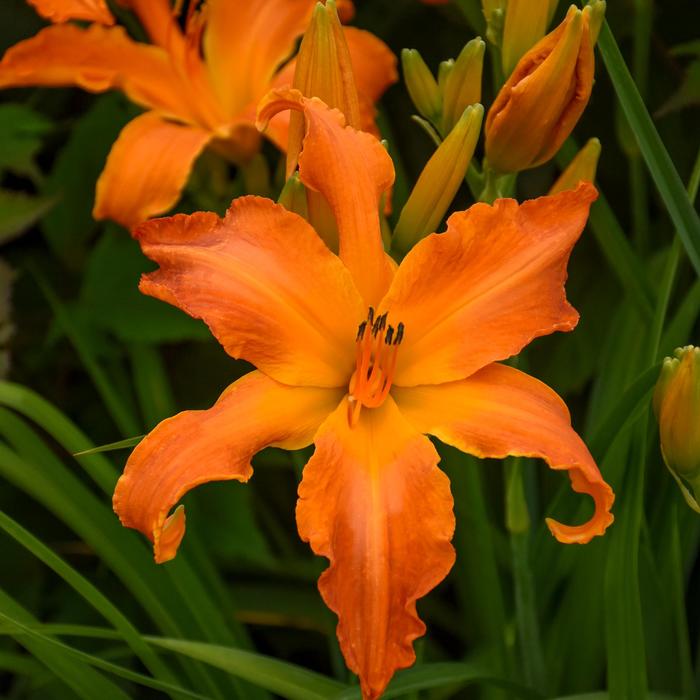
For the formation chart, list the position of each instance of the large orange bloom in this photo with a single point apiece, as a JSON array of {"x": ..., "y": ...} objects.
[
  {"x": 363, "y": 359},
  {"x": 200, "y": 87}
]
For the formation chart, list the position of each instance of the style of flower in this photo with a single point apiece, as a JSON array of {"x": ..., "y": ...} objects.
[
  {"x": 200, "y": 86},
  {"x": 363, "y": 359}
]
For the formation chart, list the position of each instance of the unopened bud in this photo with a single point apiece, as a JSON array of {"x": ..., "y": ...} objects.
[
  {"x": 421, "y": 85},
  {"x": 439, "y": 181},
  {"x": 462, "y": 84},
  {"x": 582, "y": 167},
  {"x": 543, "y": 98},
  {"x": 323, "y": 70},
  {"x": 677, "y": 408},
  {"x": 526, "y": 22}
]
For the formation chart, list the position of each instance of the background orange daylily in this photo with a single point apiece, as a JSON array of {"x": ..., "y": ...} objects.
[
  {"x": 201, "y": 86},
  {"x": 372, "y": 499}
]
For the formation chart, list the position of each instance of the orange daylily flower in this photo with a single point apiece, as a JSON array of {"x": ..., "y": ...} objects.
[
  {"x": 364, "y": 359},
  {"x": 200, "y": 87}
]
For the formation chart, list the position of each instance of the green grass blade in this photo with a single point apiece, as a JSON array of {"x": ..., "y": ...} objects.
[
  {"x": 91, "y": 660},
  {"x": 287, "y": 680},
  {"x": 110, "y": 447},
  {"x": 94, "y": 597},
  {"x": 118, "y": 408},
  {"x": 623, "y": 413},
  {"x": 84, "y": 681},
  {"x": 440, "y": 675},
  {"x": 660, "y": 165}
]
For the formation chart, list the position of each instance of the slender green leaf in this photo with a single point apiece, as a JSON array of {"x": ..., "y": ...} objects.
[
  {"x": 100, "y": 602},
  {"x": 660, "y": 165},
  {"x": 288, "y": 680}
]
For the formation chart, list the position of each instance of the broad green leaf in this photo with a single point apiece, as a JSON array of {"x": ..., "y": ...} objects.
[
  {"x": 22, "y": 131},
  {"x": 70, "y": 225},
  {"x": 19, "y": 212},
  {"x": 111, "y": 298}
]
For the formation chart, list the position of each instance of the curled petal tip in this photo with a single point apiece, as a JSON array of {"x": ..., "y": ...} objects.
[
  {"x": 167, "y": 540},
  {"x": 603, "y": 498}
]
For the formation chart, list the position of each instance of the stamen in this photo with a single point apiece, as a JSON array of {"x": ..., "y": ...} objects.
[{"x": 375, "y": 363}]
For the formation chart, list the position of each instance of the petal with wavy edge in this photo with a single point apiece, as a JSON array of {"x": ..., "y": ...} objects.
[
  {"x": 265, "y": 284},
  {"x": 485, "y": 288},
  {"x": 146, "y": 169},
  {"x": 58, "y": 11},
  {"x": 500, "y": 411},
  {"x": 351, "y": 170},
  {"x": 373, "y": 501},
  {"x": 195, "y": 447},
  {"x": 97, "y": 59}
]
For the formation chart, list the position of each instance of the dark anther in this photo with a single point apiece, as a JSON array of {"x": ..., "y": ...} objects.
[
  {"x": 370, "y": 315},
  {"x": 399, "y": 334},
  {"x": 389, "y": 335},
  {"x": 361, "y": 331}
]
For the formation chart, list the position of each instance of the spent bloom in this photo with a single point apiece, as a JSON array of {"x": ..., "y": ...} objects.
[
  {"x": 677, "y": 408},
  {"x": 364, "y": 359},
  {"x": 200, "y": 86},
  {"x": 542, "y": 100}
]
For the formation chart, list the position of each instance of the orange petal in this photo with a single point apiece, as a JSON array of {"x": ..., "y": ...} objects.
[
  {"x": 486, "y": 287},
  {"x": 246, "y": 42},
  {"x": 500, "y": 411},
  {"x": 373, "y": 63},
  {"x": 96, "y": 59},
  {"x": 146, "y": 169},
  {"x": 63, "y": 10},
  {"x": 373, "y": 501},
  {"x": 351, "y": 170},
  {"x": 195, "y": 447},
  {"x": 159, "y": 21},
  {"x": 266, "y": 285}
]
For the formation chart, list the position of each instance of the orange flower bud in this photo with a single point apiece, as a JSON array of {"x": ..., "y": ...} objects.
[
  {"x": 677, "y": 408},
  {"x": 544, "y": 97},
  {"x": 582, "y": 167},
  {"x": 324, "y": 70}
]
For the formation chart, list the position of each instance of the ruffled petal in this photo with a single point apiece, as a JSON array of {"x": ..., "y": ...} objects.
[
  {"x": 265, "y": 284},
  {"x": 58, "y": 11},
  {"x": 146, "y": 169},
  {"x": 195, "y": 447},
  {"x": 97, "y": 59},
  {"x": 500, "y": 411},
  {"x": 373, "y": 501},
  {"x": 246, "y": 42},
  {"x": 485, "y": 288},
  {"x": 351, "y": 169}
]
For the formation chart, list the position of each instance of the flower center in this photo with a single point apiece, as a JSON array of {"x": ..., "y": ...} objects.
[{"x": 375, "y": 363}]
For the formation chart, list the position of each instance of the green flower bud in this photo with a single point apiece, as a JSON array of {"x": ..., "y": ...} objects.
[
  {"x": 439, "y": 181},
  {"x": 677, "y": 408},
  {"x": 421, "y": 85},
  {"x": 462, "y": 84}
]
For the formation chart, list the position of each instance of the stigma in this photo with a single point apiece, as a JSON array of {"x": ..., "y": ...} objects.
[{"x": 377, "y": 345}]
